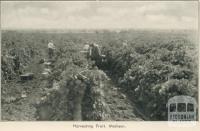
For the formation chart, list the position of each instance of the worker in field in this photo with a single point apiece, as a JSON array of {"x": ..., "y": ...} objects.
[
  {"x": 95, "y": 54},
  {"x": 86, "y": 50},
  {"x": 92, "y": 53},
  {"x": 51, "y": 49},
  {"x": 125, "y": 43}
]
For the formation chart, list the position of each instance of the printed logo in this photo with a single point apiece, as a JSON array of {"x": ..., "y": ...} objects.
[{"x": 182, "y": 108}]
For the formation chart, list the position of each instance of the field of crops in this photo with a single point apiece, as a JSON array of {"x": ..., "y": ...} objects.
[{"x": 144, "y": 74}]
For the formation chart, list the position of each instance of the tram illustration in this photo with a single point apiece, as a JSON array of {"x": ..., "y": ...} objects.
[{"x": 182, "y": 108}]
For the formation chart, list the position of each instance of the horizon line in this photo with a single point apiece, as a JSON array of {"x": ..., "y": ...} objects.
[{"x": 99, "y": 29}]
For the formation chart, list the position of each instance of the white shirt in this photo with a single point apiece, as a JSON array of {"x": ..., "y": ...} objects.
[
  {"x": 124, "y": 44},
  {"x": 51, "y": 45},
  {"x": 86, "y": 47}
]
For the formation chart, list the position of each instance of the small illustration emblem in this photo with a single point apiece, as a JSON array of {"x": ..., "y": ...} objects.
[{"x": 182, "y": 108}]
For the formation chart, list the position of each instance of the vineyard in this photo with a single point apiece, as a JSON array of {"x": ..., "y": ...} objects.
[{"x": 140, "y": 77}]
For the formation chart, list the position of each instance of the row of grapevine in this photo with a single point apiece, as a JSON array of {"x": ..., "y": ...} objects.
[
  {"x": 151, "y": 73},
  {"x": 75, "y": 98}
]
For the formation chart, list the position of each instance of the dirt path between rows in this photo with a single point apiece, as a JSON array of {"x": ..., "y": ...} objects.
[
  {"x": 18, "y": 108},
  {"x": 121, "y": 108},
  {"x": 19, "y": 98},
  {"x": 22, "y": 109}
]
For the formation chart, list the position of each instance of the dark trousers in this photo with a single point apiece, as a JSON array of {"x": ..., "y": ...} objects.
[{"x": 51, "y": 53}]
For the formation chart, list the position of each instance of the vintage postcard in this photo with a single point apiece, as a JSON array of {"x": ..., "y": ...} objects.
[{"x": 103, "y": 63}]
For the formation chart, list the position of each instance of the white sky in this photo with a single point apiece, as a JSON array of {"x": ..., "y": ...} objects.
[{"x": 99, "y": 15}]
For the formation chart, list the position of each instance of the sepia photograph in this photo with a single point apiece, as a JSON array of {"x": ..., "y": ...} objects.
[{"x": 99, "y": 61}]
